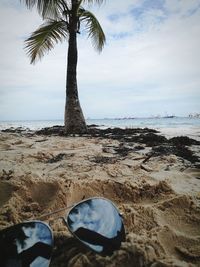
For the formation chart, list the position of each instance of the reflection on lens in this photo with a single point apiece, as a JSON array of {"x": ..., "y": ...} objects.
[
  {"x": 26, "y": 244},
  {"x": 97, "y": 223}
]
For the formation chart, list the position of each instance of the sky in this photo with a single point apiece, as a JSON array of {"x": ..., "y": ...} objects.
[{"x": 150, "y": 64}]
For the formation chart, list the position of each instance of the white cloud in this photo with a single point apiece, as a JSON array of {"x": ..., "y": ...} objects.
[
  {"x": 182, "y": 7},
  {"x": 156, "y": 61}
]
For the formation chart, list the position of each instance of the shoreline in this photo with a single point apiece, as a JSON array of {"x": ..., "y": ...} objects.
[
  {"x": 171, "y": 127},
  {"x": 170, "y": 132},
  {"x": 142, "y": 172},
  {"x": 159, "y": 143},
  {"x": 191, "y": 132}
]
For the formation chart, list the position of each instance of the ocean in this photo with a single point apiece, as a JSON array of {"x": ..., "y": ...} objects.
[{"x": 170, "y": 127}]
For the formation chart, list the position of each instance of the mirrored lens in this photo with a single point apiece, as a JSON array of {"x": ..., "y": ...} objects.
[
  {"x": 26, "y": 244},
  {"x": 98, "y": 224}
]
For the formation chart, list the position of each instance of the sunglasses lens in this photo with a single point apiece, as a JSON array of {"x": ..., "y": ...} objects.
[
  {"x": 97, "y": 223},
  {"x": 26, "y": 244}
]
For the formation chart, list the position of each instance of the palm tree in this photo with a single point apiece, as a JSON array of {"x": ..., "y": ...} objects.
[{"x": 63, "y": 19}]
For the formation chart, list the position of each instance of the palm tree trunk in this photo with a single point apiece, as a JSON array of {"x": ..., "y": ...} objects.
[{"x": 74, "y": 119}]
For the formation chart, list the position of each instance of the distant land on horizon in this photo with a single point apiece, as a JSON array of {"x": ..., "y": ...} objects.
[{"x": 158, "y": 116}]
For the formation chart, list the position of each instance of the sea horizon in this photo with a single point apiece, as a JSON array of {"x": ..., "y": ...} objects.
[{"x": 109, "y": 118}]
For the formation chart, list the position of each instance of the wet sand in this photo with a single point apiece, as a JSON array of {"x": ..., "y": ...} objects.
[{"x": 158, "y": 194}]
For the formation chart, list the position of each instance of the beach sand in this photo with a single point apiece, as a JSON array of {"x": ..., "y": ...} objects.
[{"x": 159, "y": 196}]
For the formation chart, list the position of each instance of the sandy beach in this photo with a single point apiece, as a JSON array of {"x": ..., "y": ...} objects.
[{"x": 158, "y": 193}]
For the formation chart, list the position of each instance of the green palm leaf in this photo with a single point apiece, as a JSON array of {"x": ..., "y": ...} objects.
[
  {"x": 44, "y": 38},
  {"x": 92, "y": 1},
  {"x": 93, "y": 28},
  {"x": 47, "y": 8}
]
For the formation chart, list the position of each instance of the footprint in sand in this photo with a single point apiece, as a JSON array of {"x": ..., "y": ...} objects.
[
  {"x": 6, "y": 190},
  {"x": 179, "y": 231},
  {"x": 44, "y": 193},
  {"x": 180, "y": 215},
  {"x": 183, "y": 248}
]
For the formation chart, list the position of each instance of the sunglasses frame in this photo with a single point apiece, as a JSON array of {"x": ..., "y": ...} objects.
[
  {"x": 82, "y": 201},
  {"x": 65, "y": 221},
  {"x": 77, "y": 203},
  {"x": 23, "y": 224}
]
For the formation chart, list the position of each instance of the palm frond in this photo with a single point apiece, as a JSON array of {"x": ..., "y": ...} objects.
[
  {"x": 93, "y": 29},
  {"x": 47, "y": 8},
  {"x": 99, "y": 2},
  {"x": 44, "y": 38}
]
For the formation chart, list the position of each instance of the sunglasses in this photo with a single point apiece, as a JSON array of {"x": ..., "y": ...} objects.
[{"x": 95, "y": 222}]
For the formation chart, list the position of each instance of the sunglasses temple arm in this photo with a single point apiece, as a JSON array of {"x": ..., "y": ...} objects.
[{"x": 54, "y": 212}]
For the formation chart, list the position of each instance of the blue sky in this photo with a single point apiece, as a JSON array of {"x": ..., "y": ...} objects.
[{"x": 150, "y": 64}]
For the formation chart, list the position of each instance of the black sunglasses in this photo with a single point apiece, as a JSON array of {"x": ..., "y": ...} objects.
[{"x": 96, "y": 222}]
